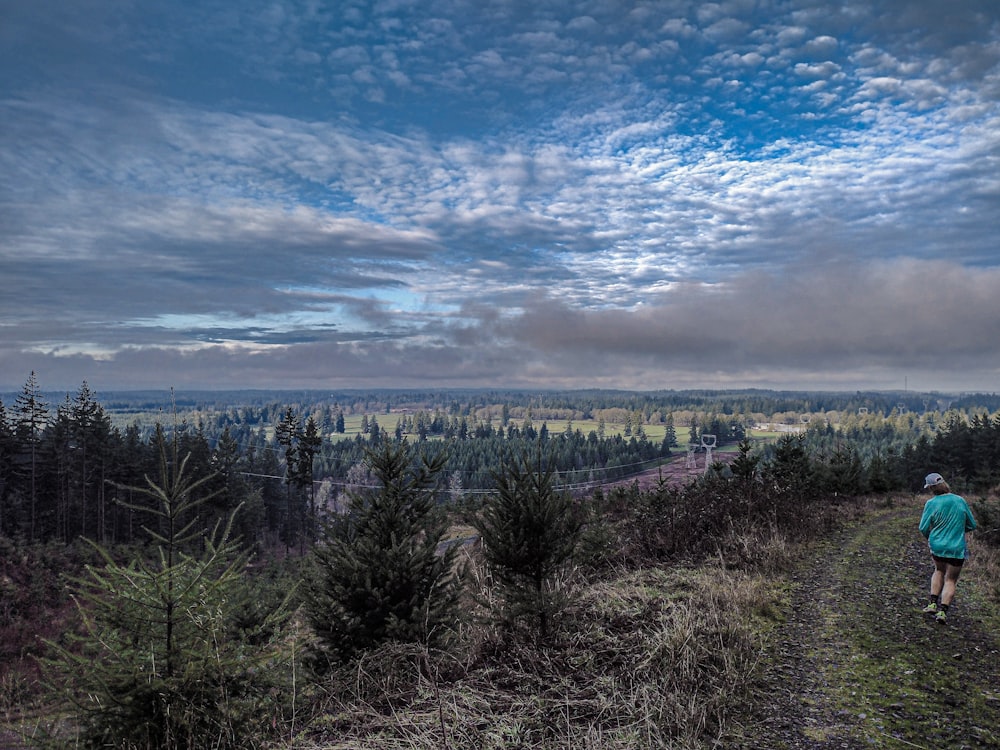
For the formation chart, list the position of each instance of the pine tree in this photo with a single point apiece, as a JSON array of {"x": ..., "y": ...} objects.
[
  {"x": 235, "y": 491},
  {"x": 746, "y": 465},
  {"x": 746, "y": 469},
  {"x": 378, "y": 575},
  {"x": 669, "y": 433},
  {"x": 286, "y": 432},
  {"x": 7, "y": 450},
  {"x": 157, "y": 663},
  {"x": 791, "y": 466},
  {"x": 529, "y": 532},
  {"x": 310, "y": 441},
  {"x": 90, "y": 434},
  {"x": 878, "y": 473},
  {"x": 30, "y": 418}
]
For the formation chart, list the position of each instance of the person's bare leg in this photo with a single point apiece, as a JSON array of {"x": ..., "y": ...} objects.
[
  {"x": 937, "y": 579},
  {"x": 950, "y": 580},
  {"x": 937, "y": 583}
]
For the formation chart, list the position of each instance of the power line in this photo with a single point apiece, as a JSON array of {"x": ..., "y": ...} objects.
[{"x": 569, "y": 486}]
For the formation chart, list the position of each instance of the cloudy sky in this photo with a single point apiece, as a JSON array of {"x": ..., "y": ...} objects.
[{"x": 551, "y": 194}]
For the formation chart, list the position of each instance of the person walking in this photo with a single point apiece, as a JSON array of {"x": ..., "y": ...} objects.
[{"x": 944, "y": 523}]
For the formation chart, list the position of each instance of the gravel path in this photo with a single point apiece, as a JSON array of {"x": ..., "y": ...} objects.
[{"x": 857, "y": 665}]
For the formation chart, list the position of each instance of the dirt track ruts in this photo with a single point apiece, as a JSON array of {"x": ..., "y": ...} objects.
[{"x": 856, "y": 665}]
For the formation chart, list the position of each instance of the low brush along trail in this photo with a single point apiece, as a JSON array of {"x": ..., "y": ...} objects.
[{"x": 857, "y": 665}]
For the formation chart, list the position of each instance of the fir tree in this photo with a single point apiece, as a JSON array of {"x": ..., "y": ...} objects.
[
  {"x": 529, "y": 532},
  {"x": 157, "y": 663},
  {"x": 378, "y": 574},
  {"x": 746, "y": 469},
  {"x": 746, "y": 465},
  {"x": 30, "y": 418},
  {"x": 878, "y": 473},
  {"x": 7, "y": 449},
  {"x": 287, "y": 432},
  {"x": 310, "y": 441},
  {"x": 669, "y": 434}
]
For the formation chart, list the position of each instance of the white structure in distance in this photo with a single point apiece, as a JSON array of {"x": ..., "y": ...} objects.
[
  {"x": 692, "y": 461},
  {"x": 708, "y": 442}
]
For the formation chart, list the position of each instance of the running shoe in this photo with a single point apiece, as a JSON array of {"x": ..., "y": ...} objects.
[
  {"x": 930, "y": 609},
  {"x": 941, "y": 617}
]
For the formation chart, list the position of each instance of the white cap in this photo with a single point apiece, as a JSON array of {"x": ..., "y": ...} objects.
[{"x": 931, "y": 479}]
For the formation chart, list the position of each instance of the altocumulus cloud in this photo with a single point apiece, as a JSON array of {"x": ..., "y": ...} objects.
[{"x": 682, "y": 194}]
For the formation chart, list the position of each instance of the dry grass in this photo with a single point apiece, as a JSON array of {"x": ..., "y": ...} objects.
[
  {"x": 983, "y": 566},
  {"x": 655, "y": 658},
  {"x": 757, "y": 548}
]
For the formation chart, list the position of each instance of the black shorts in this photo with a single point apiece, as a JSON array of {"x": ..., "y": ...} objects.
[{"x": 956, "y": 561}]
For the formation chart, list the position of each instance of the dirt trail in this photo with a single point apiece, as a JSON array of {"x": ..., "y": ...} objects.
[{"x": 857, "y": 665}]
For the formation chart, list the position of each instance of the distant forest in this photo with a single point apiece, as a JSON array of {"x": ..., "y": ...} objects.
[{"x": 70, "y": 463}]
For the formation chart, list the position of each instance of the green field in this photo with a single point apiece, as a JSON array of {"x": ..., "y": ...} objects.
[{"x": 654, "y": 432}]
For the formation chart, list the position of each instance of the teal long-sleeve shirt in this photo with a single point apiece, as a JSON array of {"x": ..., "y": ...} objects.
[{"x": 944, "y": 522}]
